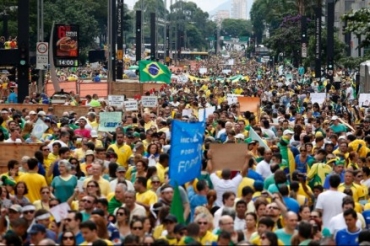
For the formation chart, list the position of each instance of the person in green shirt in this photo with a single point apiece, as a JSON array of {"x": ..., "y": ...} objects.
[
  {"x": 304, "y": 233},
  {"x": 118, "y": 198}
]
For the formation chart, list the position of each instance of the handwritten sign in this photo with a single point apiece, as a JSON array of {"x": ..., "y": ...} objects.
[
  {"x": 60, "y": 211},
  {"x": 232, "y": 98},
  {"x": 149, "y": 101},
  {"x": 186, "y": 151},
  {"x": 318, "y": 98},
  {"x": 131, "y": 105},
  {"x": 204, "y": 115},
  {"x": 115, "y": 100},
  {"x": 39, "y": 128},
  {"x": 109, "y": 121},
  {"x": 364, "y": 100}
]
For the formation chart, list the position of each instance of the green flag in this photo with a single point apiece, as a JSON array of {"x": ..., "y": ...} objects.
[
  {"x": 177, "y": 208},
  {"x": 154, "y": 71}
]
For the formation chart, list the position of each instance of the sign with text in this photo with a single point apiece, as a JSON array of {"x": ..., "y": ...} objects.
[
  {"x": 204, "y": 113},
  {"x": 318, "y": 98},
  {"x": 131, "y": 105},
  {"x": 186, "y": 151},
  {"x": 364, "y": 100},
  {"x": 42, "y": 55},
  {"x": 109, "y": 121},
  {"x": 149, "y": 101},
  {"x": 66, "y": 45},
  {"x": 232, "y": 98},
  {"x": 115, "y": 100},
  {"x": 202, "y": 70}
]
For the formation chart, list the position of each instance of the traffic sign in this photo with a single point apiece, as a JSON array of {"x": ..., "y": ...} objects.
[{"x": 42, "y": 55}]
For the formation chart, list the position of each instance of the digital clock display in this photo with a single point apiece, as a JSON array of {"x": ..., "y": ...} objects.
[{"x": 66, "y": 63}]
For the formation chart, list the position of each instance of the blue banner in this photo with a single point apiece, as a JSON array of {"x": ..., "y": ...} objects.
[{"x": 186, "y": 151}]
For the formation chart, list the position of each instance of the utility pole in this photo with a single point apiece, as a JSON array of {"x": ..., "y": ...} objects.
[
  {"x": 318, "y": 15},
  {"x": 330, "y": 41},
  {"x": 120, "y": 15}
]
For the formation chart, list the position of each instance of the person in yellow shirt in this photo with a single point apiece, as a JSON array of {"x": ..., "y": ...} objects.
[
  {"x": 148, "y": 121},
  {"x": 33, "y": 180},
  {"x": 170, "y": 223},
  {"x": 265, "y": 224},
  {"x": 238, "y": 90},
  {"x": 94, "y": 139},
  {"x": 122, "y": 150},
  {"x": 205, "y": 236},
  {"x": 349, "y": 184},
  {"x": 97, "y": 172},
  {"x": 162, "y": 166},
  {"x": 144, "y": 197},
  {"x": 91, "y": 120}
]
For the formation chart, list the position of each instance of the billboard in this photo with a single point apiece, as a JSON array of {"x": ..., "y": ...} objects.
[{"x": 66, "y": 46}]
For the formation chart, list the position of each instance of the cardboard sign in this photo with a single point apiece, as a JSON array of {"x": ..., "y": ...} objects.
[
  {"x": 318, "y": 98},
  {"x": 364, "y": 100},
  {"x": 60, "y": 211},
  {"x": 232, "y": 98},
  {"x": 204, "y": 113},
  {"x": 131, "y": 105},
  {"x": 250, "y": 104},
  {"x": 116, "y": 101},
  {"x": 149, "y": 101},
  {"x": 109, "y": 121},
  {"x": 230, "y": 156}
]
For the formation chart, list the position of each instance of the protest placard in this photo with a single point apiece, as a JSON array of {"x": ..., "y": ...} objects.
[
  {"x": 364, "y": 100},
  {"x": 202, "y": 70},
  {"x": 186, "y": 151},
  {"x": 39, "y": 128},
  {"x": 60, "y": 211},
  {"x": 149, "y": 101},
  {"x": 230, "y": 156},
  {"x": 318, "y": 98},
  {"x": 115, "y": 100},
  {"x": 250, "y": 104},
  {"x": 109, "y": 121},
  {"x": 232, "y": 98},
  {"x": 131, "y": 105},
  {"x": 202, "y": 116}
]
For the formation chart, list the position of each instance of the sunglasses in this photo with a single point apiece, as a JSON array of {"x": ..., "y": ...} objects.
[
  {"x": 46, "y": 149},
  {"x": 69, "y": 238},
  {"x": 29, "y": 212},
  {"x": 275, "y": 208},
  {"x": 137, "y": 228},
  {"x": 88, "y": 201},
  {"x": 120, "y": 214},
  {"x": 155, "y": 182},
  {"x": 202, "y": 223},
  {"x": 314, "y": 216},
  {"x": 90, "y": 186}
]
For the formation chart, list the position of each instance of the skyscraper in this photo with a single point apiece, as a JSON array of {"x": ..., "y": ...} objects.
[{"x": 239, "y": 9}]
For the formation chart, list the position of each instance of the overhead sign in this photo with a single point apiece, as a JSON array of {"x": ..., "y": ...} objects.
[
  {"x": 109, "y": 121},
  {"x": 115, "y": 100},
  {"x": 42, "y": 55},
  {"x": 66, "y": 45},
  {"x": 149, "y": 101},
  {"x": 131, "y": 105},
  {"x": 186, "y": 151}
]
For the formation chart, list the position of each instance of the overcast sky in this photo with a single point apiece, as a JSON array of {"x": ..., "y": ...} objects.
[{"x": 205, "y": 5}]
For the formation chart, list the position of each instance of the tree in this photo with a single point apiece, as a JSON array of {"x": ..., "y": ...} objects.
[
  {"x": 236, "y": 27},
  {"x": 189, "y": 17},
  {"x": 358, "y": 23}
]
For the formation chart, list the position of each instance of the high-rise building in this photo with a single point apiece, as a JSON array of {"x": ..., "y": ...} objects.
[
  {"x": 221, "y": 15},
  {"x": 239, "y": 9}
]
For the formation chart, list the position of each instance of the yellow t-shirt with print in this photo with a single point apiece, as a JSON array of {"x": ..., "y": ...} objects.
[
  {"x": 34, "y": 182},
  {"x": 245, "y": 182},
  {"x": 157, "y": 232},
  {"x": 356, "y": 190},
  {"x": 170, "y": 241},
  {"x": 123, "y": 152},
  {"x": 208, "y": 239}
]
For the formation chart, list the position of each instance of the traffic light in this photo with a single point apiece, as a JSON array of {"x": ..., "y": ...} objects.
[{"x": 23, "y": 52}]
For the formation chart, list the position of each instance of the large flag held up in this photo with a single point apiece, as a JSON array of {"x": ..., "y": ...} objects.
[
  {"x": 186, "y": 151},
  {"x": 154, "y": 71}
]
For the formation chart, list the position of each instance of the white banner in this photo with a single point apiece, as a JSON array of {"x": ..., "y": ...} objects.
[
  {"x": 204, "y": 115},
  {"x": 149, "y": 101},
  {"x": 202, "y": 70},
  {"x": 364, "y": 100},
  {"x": 318, "y": 98},
  {"x": 232, "y": 98},
  {"x": 115, "y": 100},
  {"x": 131, "y": 105}
]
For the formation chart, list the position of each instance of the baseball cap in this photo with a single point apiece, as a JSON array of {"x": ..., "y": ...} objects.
[
  {"x": 170, "y": 218},
  {"x": 239, "y": 136},
  {"x": 121, "y": 169},
  {"x": 287, "y": 132},
  {"x": 41, "y": 113},
  {"x": 334, "y": 117},
  {"x": 89, "y": 152},
  {"x": 32, "y": 112},
  {"x": 36, "y": 228},
  {"x": 17, "y": 208}
]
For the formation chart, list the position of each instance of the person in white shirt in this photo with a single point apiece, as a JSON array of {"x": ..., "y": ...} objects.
[
  {"x": 130, "y": 203},
  {"x": 349, "y": 91},
  {"x": 263, "y": 167},
  {"x": 228, "y": 199},
  {"x": 120, "y": 173},
  {"x": 14, "y": 137},
  {"x": 225, "y": 183},
  {"x": 330, "y": 201},
  {"x": 240, "y": 209},
  {"x": 338, "y": 223}
]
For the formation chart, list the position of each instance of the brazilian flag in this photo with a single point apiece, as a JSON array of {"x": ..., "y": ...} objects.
[{"x": 154, "y": 71}]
